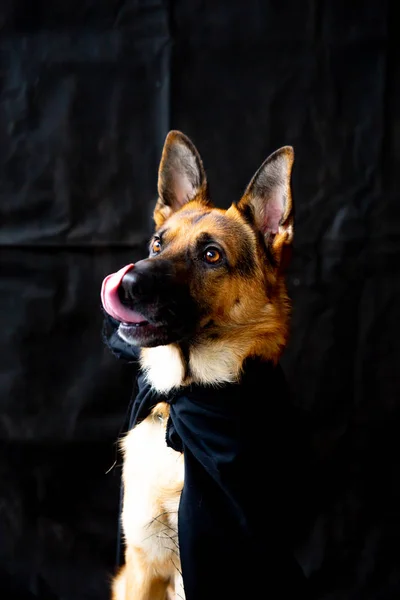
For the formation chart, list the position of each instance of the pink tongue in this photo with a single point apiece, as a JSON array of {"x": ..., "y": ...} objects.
[{"x": 112, "y": 304}]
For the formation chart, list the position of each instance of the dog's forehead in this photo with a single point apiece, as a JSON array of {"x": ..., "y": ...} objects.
[{"x": 193, "y": 221}]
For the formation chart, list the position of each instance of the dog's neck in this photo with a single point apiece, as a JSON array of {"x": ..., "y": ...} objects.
[
  {"x": 167, "y": 367},
  {"x": 164, "y": 367}
]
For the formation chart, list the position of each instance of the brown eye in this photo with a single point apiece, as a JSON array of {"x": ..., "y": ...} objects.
[
  {"x": 212, "y": 255},
  {"x": 156, "y": 246}
]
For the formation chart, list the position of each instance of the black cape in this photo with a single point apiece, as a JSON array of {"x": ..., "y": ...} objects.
[{"x": 244, "y": 451}]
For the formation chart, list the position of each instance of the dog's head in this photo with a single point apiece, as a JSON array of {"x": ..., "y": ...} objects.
[{"x": 211, "y": 292}]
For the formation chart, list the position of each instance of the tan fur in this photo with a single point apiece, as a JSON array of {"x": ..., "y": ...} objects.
[{"x": 243, "y": 316}]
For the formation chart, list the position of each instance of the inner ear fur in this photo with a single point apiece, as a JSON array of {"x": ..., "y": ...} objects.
[{"x": 268, "y": 200}]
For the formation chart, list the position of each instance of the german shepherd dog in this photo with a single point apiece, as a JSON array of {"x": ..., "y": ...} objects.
[{"x": 210, "y": 294}]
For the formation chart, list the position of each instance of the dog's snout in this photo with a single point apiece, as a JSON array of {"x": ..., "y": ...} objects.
[{"x": 145, "y": 280}]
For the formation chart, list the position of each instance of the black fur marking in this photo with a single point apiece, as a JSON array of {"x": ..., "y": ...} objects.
[
  {"x": 264, "y": 242},
  {"x": 160, "y": 234},
  {"x": 185, "y": 354},
  {"x": 198, "y": 217},
  {"x": 209, "y": 324},
  {"x": 265, "y": 245},
  {"x": 246, "y": 261},
  {"x": 213, "y": 336},
  {"x": 248, "y": 214},
  {"x": 205, "y": 238}
]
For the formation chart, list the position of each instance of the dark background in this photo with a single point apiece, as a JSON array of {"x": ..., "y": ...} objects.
[{"x": 88, "y": 91}]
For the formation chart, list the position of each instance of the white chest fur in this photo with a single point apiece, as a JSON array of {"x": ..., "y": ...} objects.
[{"x": 153, "y": 477}]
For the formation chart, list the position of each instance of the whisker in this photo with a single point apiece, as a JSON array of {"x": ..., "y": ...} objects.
[
  {"x": 179, "y": 571},
  {"x": 172, "y": 550},
  {"x": 173, "y": 540},
  {"x": 157, "y": 519},
  {"x": 154, "y": 533}
]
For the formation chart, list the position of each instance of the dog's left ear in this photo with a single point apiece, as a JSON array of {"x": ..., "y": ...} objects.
[
  {"x": 181, "y": 176},
  {"x": 267, "y": 201}
]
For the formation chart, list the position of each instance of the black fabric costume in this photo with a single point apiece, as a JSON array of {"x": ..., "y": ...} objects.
[{"x": 244, "y": 458}]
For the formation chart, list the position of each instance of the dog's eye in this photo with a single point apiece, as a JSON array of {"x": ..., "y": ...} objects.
[
  {"x": 212, "y": 255},
  {"x": 156, "y": 246}
]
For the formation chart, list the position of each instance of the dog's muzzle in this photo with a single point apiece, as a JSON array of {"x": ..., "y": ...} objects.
[
  {"x": 111, "y": 297},
  {"x": 152, "y": 302}
]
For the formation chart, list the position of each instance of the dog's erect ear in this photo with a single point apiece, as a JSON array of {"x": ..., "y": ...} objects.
[
  {"x": 181, "y": 176},
  {"x": 268, "y": 199}
]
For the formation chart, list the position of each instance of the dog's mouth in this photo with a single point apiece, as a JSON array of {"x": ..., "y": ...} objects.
[{"x": 134, "y": 327}]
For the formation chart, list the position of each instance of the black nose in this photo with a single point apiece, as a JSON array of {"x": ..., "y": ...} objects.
[
  {"x": 127, "y": 289},
  {"x": 145, "y": 281}
]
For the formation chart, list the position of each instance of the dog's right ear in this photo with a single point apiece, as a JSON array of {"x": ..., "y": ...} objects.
[
  {"x": 181, "y": 176},
  {"x": 268, "y": 202}
]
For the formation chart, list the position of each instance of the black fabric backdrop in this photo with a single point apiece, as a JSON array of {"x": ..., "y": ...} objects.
[{"x": 88, "y": 91}]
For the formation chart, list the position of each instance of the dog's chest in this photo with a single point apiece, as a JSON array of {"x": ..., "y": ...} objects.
[{"x": 153, "y": 477}]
